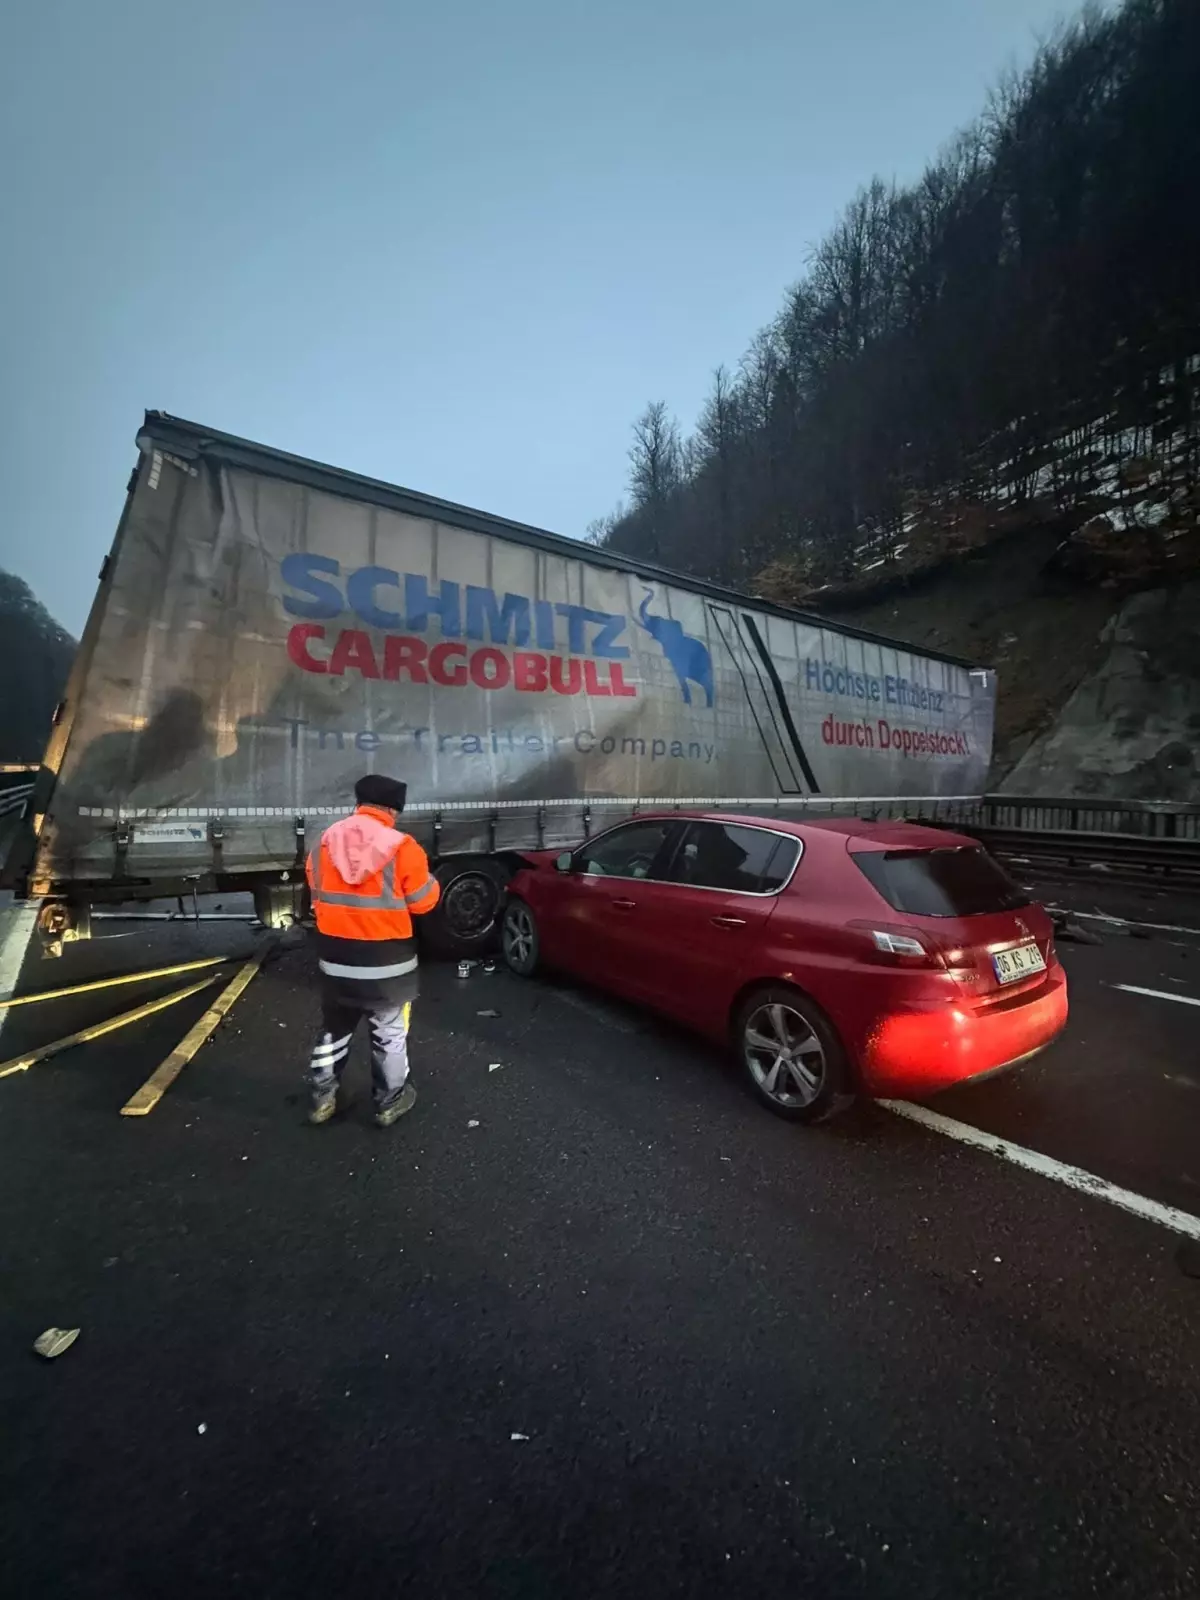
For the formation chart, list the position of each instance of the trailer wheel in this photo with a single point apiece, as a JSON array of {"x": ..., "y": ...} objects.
[{"x": 466, "y": 920}]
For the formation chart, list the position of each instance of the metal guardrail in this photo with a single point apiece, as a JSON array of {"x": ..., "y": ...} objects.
[
  {"x": 1135, "y": 819},
  {"x": 1130, "y": 835},
  {"x": 1142, "y": 819},
  {"x": 14, "y": 800},
  {"x": 1092, "y": 849},
  {"x": 1157, "y": 837},
  {"x": 16, "y": 785}
]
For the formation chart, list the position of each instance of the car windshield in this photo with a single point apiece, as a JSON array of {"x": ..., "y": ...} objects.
[{"x": 962, "y": 881}]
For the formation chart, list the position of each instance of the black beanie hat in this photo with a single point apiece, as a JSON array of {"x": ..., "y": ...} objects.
[{"x": 376, "y": 790}]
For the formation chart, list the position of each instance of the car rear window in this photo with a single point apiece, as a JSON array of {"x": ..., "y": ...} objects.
[{"x": 957, "y": 882}]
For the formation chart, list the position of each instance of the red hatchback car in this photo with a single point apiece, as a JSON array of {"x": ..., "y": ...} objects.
[{"x": 839, "y": 957}]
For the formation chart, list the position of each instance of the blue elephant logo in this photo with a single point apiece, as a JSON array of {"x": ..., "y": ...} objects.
[{"x": 689, "y": 657}]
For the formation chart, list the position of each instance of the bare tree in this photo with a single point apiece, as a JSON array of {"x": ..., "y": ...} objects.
[{"x": 654, "y": 471}]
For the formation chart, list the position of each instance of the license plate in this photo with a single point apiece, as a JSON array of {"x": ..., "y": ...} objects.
[{"x": 1022, "y": 962}]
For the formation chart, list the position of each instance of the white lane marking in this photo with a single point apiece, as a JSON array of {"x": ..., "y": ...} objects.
[
  {"x": 1158, "y": 994},
  {"x": 1121, "y": 922},
  {"x": 16, "y": 929},
  {"x": 1046, "y": 1166}
]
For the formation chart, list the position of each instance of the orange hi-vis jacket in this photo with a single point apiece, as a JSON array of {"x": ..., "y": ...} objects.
[{"x": 368, "y": 881}]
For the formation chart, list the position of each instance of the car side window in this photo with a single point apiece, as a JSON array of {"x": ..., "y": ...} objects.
[
  {"x": 715, "y": 855},
  {"x": 628, "y": 852}
]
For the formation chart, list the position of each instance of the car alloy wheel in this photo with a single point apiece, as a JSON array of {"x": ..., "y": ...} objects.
[
  {"x": 784, "y": 1055},
  {"x": 519, "y": 939}
]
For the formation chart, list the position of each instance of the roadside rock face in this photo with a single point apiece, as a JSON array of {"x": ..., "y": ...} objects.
[{"x": 1131, "y": 730}]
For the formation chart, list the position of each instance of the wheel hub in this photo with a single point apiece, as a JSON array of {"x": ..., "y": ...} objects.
[
  {"x": 470, "y": 904},
  {"x": 784, "y": 1054}
]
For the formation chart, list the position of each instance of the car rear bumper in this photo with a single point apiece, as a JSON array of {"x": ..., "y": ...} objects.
[{"x": 915, "y": 1052}]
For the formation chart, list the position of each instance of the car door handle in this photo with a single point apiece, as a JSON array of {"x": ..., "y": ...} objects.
[
  {"x": 625, "y": 905},
  {"x": 729, "y": 922}
]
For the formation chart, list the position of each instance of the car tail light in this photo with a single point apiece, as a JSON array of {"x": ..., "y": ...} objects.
[
  {"x": 900, "y": 947},
  {"x": 897, "y": 944}
]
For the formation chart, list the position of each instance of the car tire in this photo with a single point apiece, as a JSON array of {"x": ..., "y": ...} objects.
[
  {"x": 519, "y": 938},
  {"x": 790, "y": 1054},
  {"x": 465, "y": 922}
]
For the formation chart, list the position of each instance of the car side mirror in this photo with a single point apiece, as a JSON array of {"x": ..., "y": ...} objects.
[{"x": 563, "y": 862}]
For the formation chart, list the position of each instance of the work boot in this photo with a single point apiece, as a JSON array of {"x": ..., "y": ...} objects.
[
  {"x": 322, "y": 1108},
  {"x": 395, "y": 1109}
]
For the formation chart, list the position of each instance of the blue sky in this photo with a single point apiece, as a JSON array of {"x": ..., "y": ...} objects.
[{"x": 456, "y": 246}]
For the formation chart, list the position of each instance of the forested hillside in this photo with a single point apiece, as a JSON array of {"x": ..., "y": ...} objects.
[
  {"x": 1011, "y": 342},
  {"x": 35, "y": 657}
]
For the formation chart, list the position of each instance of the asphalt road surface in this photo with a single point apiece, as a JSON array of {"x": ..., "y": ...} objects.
[{"x": 592, "y": 1323}]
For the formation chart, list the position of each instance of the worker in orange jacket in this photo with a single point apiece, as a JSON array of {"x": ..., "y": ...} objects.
[{"x": 368, "y": 881}]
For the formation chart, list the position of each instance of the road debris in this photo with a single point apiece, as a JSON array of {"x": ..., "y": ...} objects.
[
  {"x": 522, "y": 1437},
  {"x": 164, "y": 1075},
  {"x": 487, "y": 1013},
  {"x": 54, "y": 1341},
  {"x": 474, "y": 1122},
  {"x": 99, "y": 1029},
  {"x": 203, "y": 1428},
  {"x": 11, "y": 1001},
  {"x": 494, "y": 1066}
]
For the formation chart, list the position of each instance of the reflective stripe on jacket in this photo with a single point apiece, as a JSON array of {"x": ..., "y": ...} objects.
[{"x": 368, "y": 881}]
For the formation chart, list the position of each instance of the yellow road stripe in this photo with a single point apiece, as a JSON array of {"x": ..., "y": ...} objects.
[
  {"x": 164, "y": 1075},
  {"x": 111, "y": 983},
  {"x": 23, "y": 1063}
]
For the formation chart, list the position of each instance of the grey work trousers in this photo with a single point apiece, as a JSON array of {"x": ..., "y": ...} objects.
[{"x": 388, "y": 1027}]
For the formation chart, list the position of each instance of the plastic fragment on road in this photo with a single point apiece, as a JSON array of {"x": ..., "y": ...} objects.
[
  {"x": 487, "y": 1013},
  {"x": 55, "y": 1341},
  {"x": 521, "y": 1437},
  {"x": 474, "y": 1122},
  {"x": 203, "y": 1428},
  {"x": 494, "y": 1066}
]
